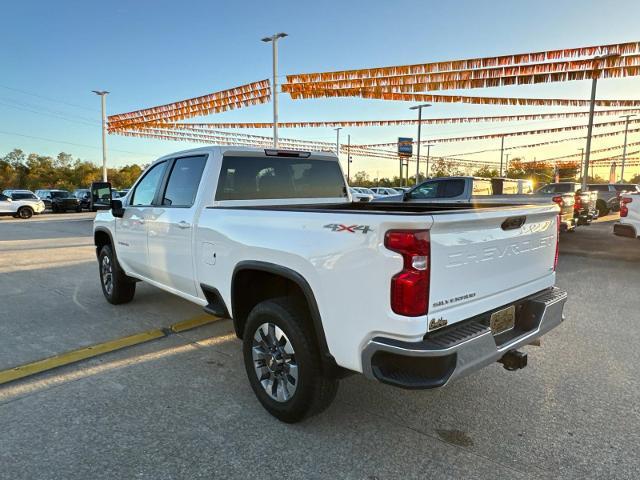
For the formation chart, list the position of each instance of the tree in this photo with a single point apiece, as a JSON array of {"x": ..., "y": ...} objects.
[
  {"x": 486, "y": 172},
  {"x": 443, "y": 168},
  {"x": 635, "y": 179},
  {"x": 539, "y": 172}
]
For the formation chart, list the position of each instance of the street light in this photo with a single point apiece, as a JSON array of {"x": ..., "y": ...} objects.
[
  {"x": 429, "y": 145},
  {"x": 419, "y": 108},
  {"x": 103, "y": 94},
  {"x": 594, "y": 82},
  {"x": 624, "y": 149},
  {"x": 274, "y": 83}
]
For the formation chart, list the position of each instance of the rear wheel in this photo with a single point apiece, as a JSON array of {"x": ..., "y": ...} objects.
[
  {"x": 78, "y": 209},
  {"x": 602, "y": 208},
  {"x": 116, "y": 286},
  {"x": 283, "y": 362},
  {"x": 25, "y": 212}
]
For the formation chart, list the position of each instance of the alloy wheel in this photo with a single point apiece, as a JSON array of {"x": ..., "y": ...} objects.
[
  {"x": 106, "y": 271},
  {"x": 274, "y": 362}
]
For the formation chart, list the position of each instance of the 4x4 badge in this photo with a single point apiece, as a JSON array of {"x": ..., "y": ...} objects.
[{"x": 337, "y": 227}]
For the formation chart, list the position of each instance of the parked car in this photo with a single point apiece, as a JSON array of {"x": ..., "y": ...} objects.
[
  {"x": 120, "y": 193},
  {"x": 585, "y": 207},
  {"x": 629, "y": 223},
  {"x": 59, "y": 200},
  {"x": 84, "y": 197},
  {"x": 609, "y": 195},
  {"x": 384, "y": 191},
  {"x": 473, "y": 190},
  {"x": 443, "y": 290},
  {"x": 20, "y": 207},
  {"x": 360, "y": 194}
]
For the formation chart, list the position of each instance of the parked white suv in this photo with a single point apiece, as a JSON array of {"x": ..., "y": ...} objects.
[
  {"x": 271, "y": 239},
  {"x": 20, "y": 204}
]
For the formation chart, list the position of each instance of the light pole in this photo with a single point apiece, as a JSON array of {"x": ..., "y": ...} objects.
[
  {"x": 338, "y": 141},
  {"x": 274, "y": 82},
  {"x": 592, "y": 105},
  {"x": 624, "y": 149},
  {"x": 103, "y": 94},
  {"x": 419, "y": 108}
]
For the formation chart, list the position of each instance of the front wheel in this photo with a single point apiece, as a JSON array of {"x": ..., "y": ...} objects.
[
  {"x": 25, "y": 212},
  {"x": 283, "y": 362},
  {"x": 116, "y": 286}
]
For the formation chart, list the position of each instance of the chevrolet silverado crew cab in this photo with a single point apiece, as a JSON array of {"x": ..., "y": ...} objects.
[{"x": 272, "y": 240}]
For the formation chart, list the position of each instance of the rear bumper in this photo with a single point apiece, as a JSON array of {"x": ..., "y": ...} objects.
[
  {"x": 462, "y": 348},
  {"x": 624, "y": 230}
]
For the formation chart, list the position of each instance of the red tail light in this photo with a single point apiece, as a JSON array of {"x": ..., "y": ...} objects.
[
  {"x": 557, "y": 199},
  {"x": 578, "y": 205},
  {"x": 624, "y": 210},
  {"x": 410, "y": 287}
]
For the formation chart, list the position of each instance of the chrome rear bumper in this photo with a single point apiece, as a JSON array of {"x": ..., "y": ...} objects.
[{"x": 462, "y": 348}]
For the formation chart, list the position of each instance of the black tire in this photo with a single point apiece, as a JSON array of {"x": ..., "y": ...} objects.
[
  {"x": 78, "y": 209},
  {"x": 602, "y": 208},
  {"x": 313, "y": 391},
  {"x": 116, "y": 287},
  {"x": 25, "y": 212}
]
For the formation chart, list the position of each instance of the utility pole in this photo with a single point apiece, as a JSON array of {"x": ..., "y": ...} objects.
[
  {"x": 419, "y": 108},
  {"x": 506, "y": 164},
  {"x": 501, "y": 153},
  {"x": 338, "y": 141},
  {"x": 103, "y": 102},
  {"x": 582, "y": 161},
  {"x": 624, "y": 149},
  {"x": 592, "y": 105},
  {"x": 348, "y": 156},
  {"x": 426, "y": 173},
  {"x": 274, "y": 82}
]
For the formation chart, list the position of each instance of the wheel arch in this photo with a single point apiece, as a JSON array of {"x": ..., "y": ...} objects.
[
  {"x": 102, "y": 237},
  {"x": 243, "y": 299}
]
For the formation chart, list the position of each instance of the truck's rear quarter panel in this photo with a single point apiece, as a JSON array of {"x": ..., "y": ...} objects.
[{"x": 349, "y": 269}]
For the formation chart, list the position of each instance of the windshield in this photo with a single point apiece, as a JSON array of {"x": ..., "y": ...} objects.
[
  {"x": 23, "y": 196},
  {"x": 60, "y": 194}
]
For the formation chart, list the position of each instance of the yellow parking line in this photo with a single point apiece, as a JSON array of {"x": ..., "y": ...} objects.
[
  {"x": 194, "y": 322},
  {"x": 74, "y": 356}
]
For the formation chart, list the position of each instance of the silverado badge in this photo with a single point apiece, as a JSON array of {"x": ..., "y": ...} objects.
[{"x": 437, "y": 323}]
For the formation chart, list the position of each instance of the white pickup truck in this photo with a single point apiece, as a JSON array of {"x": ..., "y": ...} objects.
[
  {"x": 629, "y": 224},
  {"x": 271, "y": 239}
]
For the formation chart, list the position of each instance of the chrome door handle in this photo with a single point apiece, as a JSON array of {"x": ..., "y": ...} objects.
[{"x": 184, "y": 225}]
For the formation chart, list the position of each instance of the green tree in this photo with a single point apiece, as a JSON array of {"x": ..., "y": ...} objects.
[
  {"x": 443, "y": 168},
  {"x": 486, "y": 172}
]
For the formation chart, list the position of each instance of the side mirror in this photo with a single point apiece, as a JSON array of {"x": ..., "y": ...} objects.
[
  {"x": 100, "y": 196},
  {"x": 117, "y": 210}
]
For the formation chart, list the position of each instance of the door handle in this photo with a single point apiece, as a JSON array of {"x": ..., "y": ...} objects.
[{"x": 184, "y": 225}]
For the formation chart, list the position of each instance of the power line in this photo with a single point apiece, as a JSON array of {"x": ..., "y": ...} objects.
[
  {"x": 71, "y": 143},
  {"x": 48, "y": 110},
  {"x": 60, "y": 117},
  {"x": 47, "y": 98}
]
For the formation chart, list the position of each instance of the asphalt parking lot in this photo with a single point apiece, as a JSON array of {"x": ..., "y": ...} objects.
[{"x": 181, "y": 407}]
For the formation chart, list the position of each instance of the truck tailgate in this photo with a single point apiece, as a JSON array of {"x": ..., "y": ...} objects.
[{"x": 486, "y": 259}]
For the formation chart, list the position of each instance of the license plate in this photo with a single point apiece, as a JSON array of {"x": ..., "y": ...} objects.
[{"x": 503, "y": 320}]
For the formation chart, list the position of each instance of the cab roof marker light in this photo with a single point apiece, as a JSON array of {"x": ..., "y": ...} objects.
[{"x": 270, "y": 152}]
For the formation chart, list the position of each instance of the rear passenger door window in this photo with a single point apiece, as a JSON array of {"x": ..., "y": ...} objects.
[
  {"x": 451, "y": 188},
  {"x": 184, "y": 180},
  {"x": 146, "y": 190}
]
